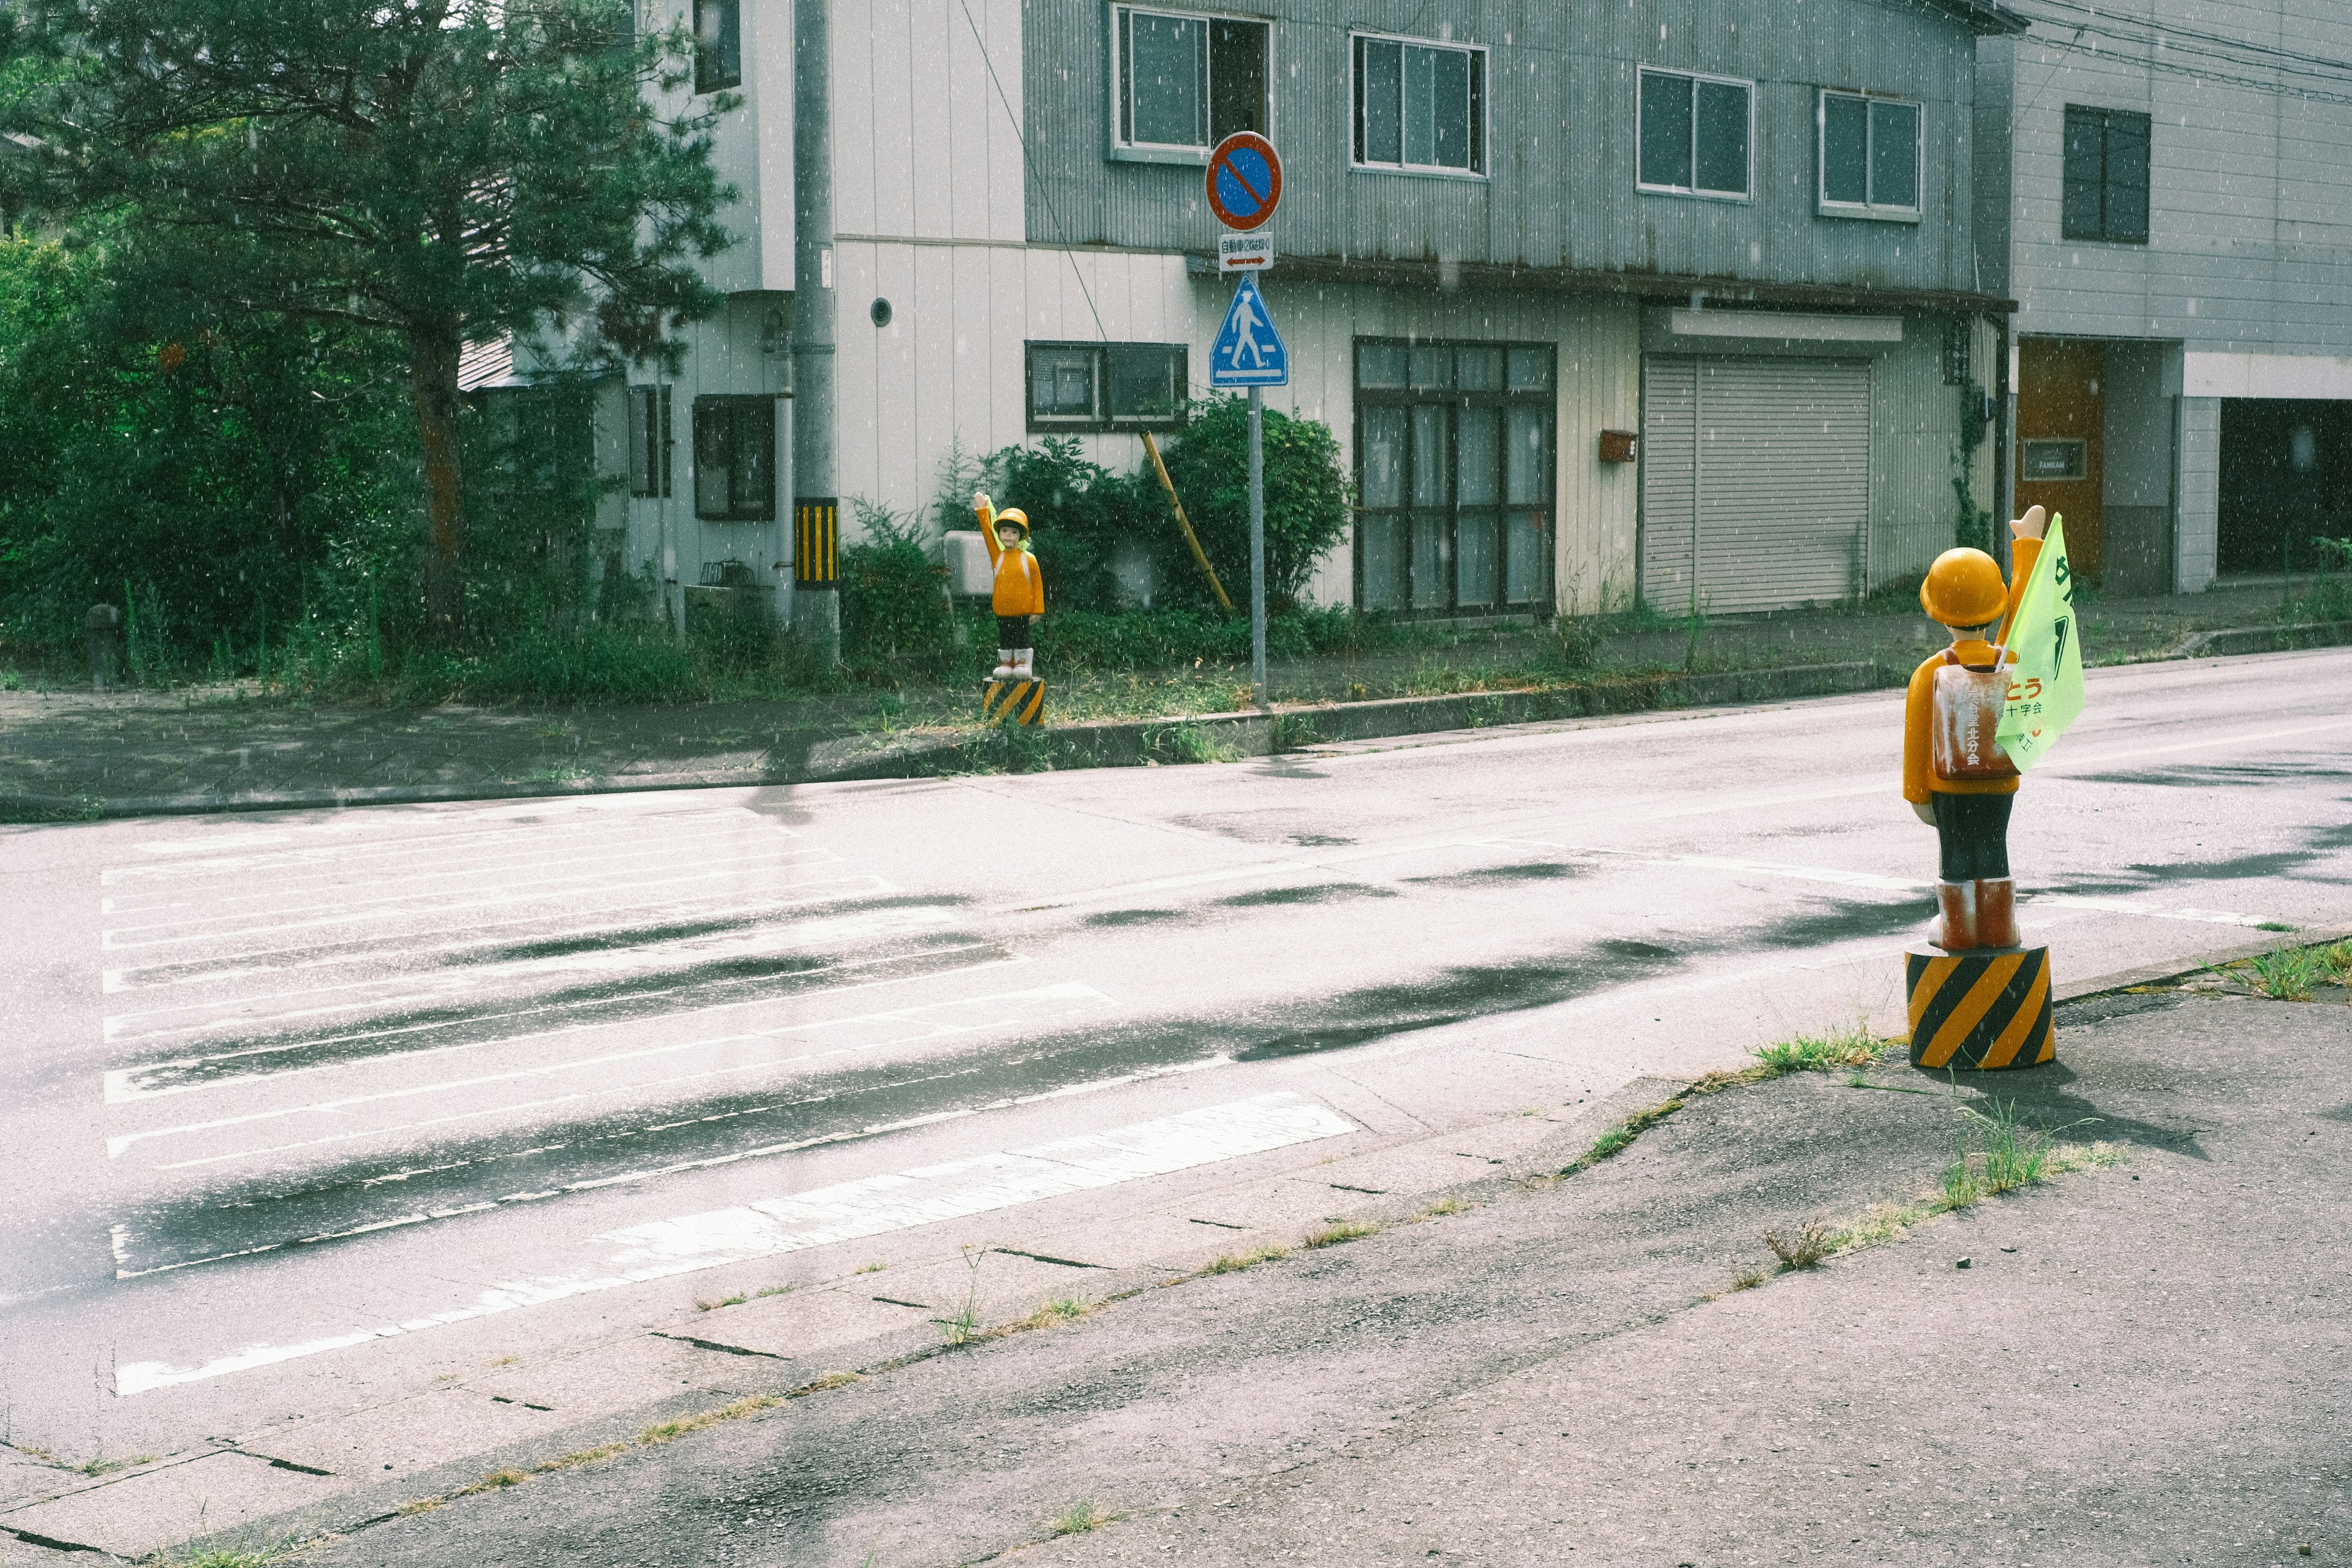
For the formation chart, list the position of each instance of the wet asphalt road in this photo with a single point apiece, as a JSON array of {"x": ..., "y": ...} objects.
[{"x": 278, "y": 1085}]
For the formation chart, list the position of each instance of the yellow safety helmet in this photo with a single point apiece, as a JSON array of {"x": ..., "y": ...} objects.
[
  {"x": 1964, "y": 589},
  {"x": 1020, "y": 519}
]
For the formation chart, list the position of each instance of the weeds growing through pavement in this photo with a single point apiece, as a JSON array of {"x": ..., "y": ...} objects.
[
  {"x": 1235, "y": 1262},
  {"x": 737, "y": 1299},
  {"x": 662, "y": 1432},
  {"x": 1851, "y": 1047},
  {"x": 1444, "y": 1207},
  {"x": 963, "y": 1325},
  {"x": 2289, "y": 974},
  {"x": 1051, "y": 1314},
  {"x": 1617, "y": 1139},
  {"x": 1337, "y": 1232},
  {"x": 1082, "y": 1516},
  {"x": 1803, "y": 1250}
]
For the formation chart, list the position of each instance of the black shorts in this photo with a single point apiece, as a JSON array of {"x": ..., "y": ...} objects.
[
  {"x": 1012, "y": 631},
  {"x": 1972, "y": 832}
]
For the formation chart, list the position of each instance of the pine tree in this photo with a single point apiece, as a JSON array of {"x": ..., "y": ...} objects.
[{"x": 442, "y": 171}]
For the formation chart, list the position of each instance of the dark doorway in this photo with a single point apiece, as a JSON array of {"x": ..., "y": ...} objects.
[{"x": 2286, "y": 478}]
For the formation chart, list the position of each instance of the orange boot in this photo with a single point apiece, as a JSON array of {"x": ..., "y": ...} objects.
[
  {"x": 1957, "y": 903},
  {"x": 1997, "y": 914}
]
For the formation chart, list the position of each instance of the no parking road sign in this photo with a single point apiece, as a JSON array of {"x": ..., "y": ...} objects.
[
  {"x": 1244, "y": 180},
  {"x": 1248, "y": 351}
]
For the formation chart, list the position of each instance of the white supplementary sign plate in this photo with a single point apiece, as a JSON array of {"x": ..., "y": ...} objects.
[{"x": 1245, "y": 252}]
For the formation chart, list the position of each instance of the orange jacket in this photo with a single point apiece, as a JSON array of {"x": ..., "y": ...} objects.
[
  {"x": 1919, "y": 778},
  {"x": 1020, "y": 584}
]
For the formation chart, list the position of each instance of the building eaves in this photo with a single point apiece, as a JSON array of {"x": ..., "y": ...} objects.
[
  {"x": 1982, "y": 17},
  {"x": 1448, "y": 276}
]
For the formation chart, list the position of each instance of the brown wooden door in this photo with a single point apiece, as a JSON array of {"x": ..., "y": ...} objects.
[{"x": 2061, "y": 410}]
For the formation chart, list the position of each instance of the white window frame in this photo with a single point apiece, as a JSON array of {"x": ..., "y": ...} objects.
[
  {"x": 1483, "y": 126},
  {"x": 1882, "y": 211},
  {"x": 1694, "y": 78},
  {"x": 1173, "y": 152}
]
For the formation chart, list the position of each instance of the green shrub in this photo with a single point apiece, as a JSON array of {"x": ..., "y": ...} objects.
[
  {"x": 1307, "y": 502},
  {"x": 895, "y": 620},
  {"x": 1078, "y": 511}
]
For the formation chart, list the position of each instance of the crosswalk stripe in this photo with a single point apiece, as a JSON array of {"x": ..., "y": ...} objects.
[{"x": 871, "y": 1207}]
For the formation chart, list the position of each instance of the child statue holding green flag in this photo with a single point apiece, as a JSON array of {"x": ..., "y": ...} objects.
[{"x": 1979, "y": 712}]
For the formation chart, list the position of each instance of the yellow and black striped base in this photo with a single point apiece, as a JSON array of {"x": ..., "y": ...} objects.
[
  {"x": 1020, "y": 701},
  {"x": 1981, "y": 1010}
]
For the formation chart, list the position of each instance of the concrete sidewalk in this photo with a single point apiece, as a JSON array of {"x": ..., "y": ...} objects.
[
  {"x": 2142, "y": 1360},
  {"x": 78, "y": 755}
]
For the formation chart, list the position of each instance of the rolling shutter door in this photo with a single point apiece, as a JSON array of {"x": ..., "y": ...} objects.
[
  {"x": 1777, "y": 454},
  {"x": 1669, "y": 480}
]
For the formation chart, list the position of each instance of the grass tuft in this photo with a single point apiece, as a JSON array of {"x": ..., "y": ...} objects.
[
  {"x": 2287, "y": 974},
  {"x": 737, "y": 1299},
  {"x": 1851, "y": 1047},
  {"x": 1444, "y": 1207},
  {"x": 962, "y": 1326},
  {"x": 830, "y": 1380},
  {"x": 497, "y": 1480},
  {"x": 1620, "y": 1138},
  {"x": 1052, "y": 1314},
  {"x": 1805, "y": 1248},
  {"x": 662, "y": 1432},
  {"x": 579, "y": 1457},
  {"x": 1338, "y": 1232},
  {"x": 1235, "y": 1262},
  {"x": 1082, "y": 1516}
]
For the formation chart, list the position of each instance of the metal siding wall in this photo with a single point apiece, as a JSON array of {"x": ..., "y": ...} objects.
[
  {"x": 1561, "y": 88},
  {"x": 1669, "y": 481},
  {"x": 2250, "y": 192},
  {"x": 1915, "y": 440},
  {"x": 1594, "y": 568},
  {"x": 2195, "y": 532}
]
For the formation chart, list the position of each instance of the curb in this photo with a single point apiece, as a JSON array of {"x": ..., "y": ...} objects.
[
  {"x": 2263, "y": 639},
  {"x": 2178, "y": 969},
  {"x": 1088, "y": 743},
  {"x": 1137, "y": 743}
]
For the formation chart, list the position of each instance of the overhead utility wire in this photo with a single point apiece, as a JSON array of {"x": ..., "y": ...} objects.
[
  {"x": 1030, "y": 164},
  {"x": 2161, "y": 32}
]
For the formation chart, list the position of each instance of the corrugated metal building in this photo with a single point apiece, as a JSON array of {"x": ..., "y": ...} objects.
[
  {"x": 2174, "y": 181},
  {"x": 1745, "y": 231}
]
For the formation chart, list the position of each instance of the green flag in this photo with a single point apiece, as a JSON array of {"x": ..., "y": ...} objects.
[{"x": 2045, "y": 684}]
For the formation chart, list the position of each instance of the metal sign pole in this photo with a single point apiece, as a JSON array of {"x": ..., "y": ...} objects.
[{"x": 1257, "y": 543}]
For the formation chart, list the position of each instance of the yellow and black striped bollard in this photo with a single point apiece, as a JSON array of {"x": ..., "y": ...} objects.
[
  {"x": 1020, "y": 701},
  {"x": 1981, "y": 1010}
]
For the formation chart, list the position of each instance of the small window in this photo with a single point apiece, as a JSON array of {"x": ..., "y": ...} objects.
[
  {"x": 1695, "y": 134},
  {"x": 1106, "y": 386},
  {"x": 1870, "y": 155},
  {"x": 649, "y": 441},
  {"x": 2107, "y": 175},
  {"x": 1420, "y": 106},
  {"x": 1186, "y": 83},
  {"x": 2054, "y": 460},
  {"x": 735, "y": 459},
  {"x": 717, "y": 44}
]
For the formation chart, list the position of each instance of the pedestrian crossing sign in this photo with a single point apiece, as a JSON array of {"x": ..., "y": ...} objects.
[{"x": 1248, "y": 351}]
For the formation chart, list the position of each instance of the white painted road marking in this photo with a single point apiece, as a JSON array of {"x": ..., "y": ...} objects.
[
  {"x": 1001, "y": 1010},
  {"x": 847, "y": 1211}
]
